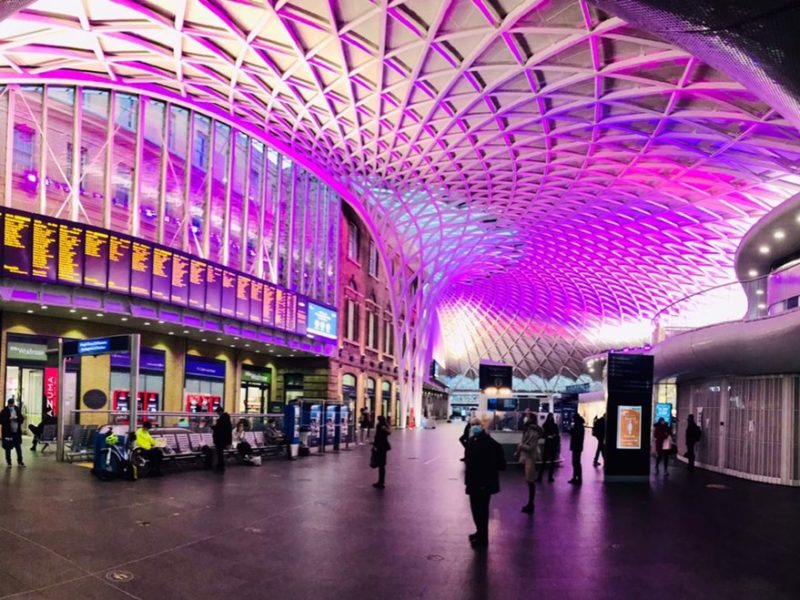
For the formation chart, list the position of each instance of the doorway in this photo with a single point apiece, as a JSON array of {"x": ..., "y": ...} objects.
[
  {"x": 254, "y": 398},
  {"x": 26, "y": 386}
]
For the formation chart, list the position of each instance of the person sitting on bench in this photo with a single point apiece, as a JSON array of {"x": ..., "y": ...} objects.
[
  {"x": 149, "y": 448},
  {"x": 272, "y": 435},
  {"x": 243, "y": 447},
  {"x": 37, "y": 430}
]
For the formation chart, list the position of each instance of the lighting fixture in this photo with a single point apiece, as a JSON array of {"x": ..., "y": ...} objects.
[
  {"x": 172, "y": 333},
  {"x": 779, "y": 234},
  {"x": 43, "y": 307},
  {"x": 100, "y": 315},
  {"x": 759, "y": 292},
  {"x": 762, "y": 306},
  {"x": 72, "y": 310},
  {"x": 185, "y": 331},
  {"x": 147, "y": 322},
  {"x": 763, "y": 249},
  {"x": 160, "y": 322},
  {"x": 219, "y": 339},
  {"x": 84, "y": 317},
  {"x": 30, "y": 311},
  {"x": 124, "y": 319},
  {"x": 203, "y": 340},
  {"x": 752, "y": 273}
]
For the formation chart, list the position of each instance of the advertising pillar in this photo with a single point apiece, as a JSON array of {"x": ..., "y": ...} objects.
[{"x": 629, "y": 383}]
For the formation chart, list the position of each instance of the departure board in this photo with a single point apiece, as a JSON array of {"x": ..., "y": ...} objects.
[
  {"x": 180, "y": 280},
  {"x": 17, "y": 245},
  {"x": 228, "y": 304},
  {"x": 243, "y": 297},
  {"x": 119, "y": 264},
  {"x": 162, "y": 274},
  {"x": 56, "y": 251},
  {"x": 197, "y": 284},
  {"x": 268, "y": 308},
  {"x": 141, "y": 269},
  {"x": 70, "y": 253},
  {"x": 214, "y": 289},
  {"x": 95, "y": 259},
  {"x": 44, "y": 257},
  {"x": 256, "y": 300}
]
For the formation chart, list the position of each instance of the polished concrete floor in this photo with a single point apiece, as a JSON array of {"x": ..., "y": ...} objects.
[{"x": 316, "y": 529}]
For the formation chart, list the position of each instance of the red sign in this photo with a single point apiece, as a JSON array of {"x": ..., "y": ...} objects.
[{"x": 51, "y": 388}]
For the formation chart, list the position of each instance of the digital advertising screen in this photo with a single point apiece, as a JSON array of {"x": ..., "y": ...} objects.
[
  {"x": 162, "y": 274},
  {"x": 322, "y": 321},
  {"x": 119, "y": 264},
  {"x": 95, "y": 259},
  {"x": 44, "y": 257},
  {"x": 197, "y": 284},
  {"x": 629, "y": 427},
  {"x": 16, "y": 245},
  {"x": 179, "y": 293},
  {"x": 243, "y": 297},
  {"x": 70, "y": 254},
  {"x": 141, "y": 269},
  {"x": 494, "y": 376}
]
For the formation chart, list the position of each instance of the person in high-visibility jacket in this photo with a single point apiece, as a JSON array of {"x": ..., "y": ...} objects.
[{"x": 149, "y": 449}]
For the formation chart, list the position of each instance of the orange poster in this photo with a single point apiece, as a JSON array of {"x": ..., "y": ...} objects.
[{"x": 629, "y": 427}]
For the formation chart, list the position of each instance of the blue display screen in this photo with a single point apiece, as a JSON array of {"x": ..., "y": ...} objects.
[
  {"x": 321, "y": 321},
  {"x": 664, "y": 410}
]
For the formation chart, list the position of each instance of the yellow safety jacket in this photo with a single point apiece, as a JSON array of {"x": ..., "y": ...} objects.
[{"x": 144, "y": 440}]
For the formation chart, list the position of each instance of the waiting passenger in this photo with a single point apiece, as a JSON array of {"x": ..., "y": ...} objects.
[
  {"x": 243, "y": 447},
  {"x": 150, "y": 449},
  {"x": 485, "y": 459},
  {"x": 11, "y": 419},
  {"x": 381, "y": 449},
  {"x": 272, "y": 435},
  {"x": 552, "y": 439},
  {"x": 223, "y": 436},
  {"x": 693, "y": 435},
  {"x": 599, "y": 433},
  {"x": 37, "y": 430},
  {"x": 364, "y": 424},
  {"x": 528, "y": 452},
  {"x": 576, "y": 435},
  {"x": 662, "y": 436}
]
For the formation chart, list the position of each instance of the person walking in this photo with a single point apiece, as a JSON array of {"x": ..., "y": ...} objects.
[
  {"x": 661, "y": 435},
  {"x": 381, "y": 448},
  {"x": 693, "y": 435},
  {"x": 576, "y": 435},
  {"x": 551, "y": 442},
  {"x": 485, "y": 459},
  {"x": 599, "y": 433},
  {"x": 528, "y": 451},
  {"x": 223, "y": 436},
  {"x": 11, "y": 419}
]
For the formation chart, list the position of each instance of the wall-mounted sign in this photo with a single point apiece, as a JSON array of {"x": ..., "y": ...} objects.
[
  {"x": 322, "y": 321},
  {"x": 25, "y": 351},
  {"x": 259, "y": 376},
  {"x": 629, "y": 427},
  {"x": 204, "y": 367},
  {"x": 94, "y": 346}
]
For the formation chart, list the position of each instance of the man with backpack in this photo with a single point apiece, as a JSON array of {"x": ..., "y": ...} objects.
[
  {"x": 599, "y": 433},
  {"x": 693, "y": 435}
]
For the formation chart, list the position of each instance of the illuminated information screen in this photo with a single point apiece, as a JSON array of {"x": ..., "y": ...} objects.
[
  {"x": 95, "y": 259},
  {"x": 17, "y": 245},
  {"x": 44, "y": 257},
  {"x": 70, "y": 254},
  {"x": 45, "y": 249}
]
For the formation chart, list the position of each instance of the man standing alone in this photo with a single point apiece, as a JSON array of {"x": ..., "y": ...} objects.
[
  {"x": 11, "y": 420},
  {"x": 576, "y": 435},
  {"x": 223, "y": 436},
  {"x": 599, "y": 432},
  {"x": 693, "y": 435}
]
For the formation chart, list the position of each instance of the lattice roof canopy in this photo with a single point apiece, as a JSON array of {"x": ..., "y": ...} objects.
[{"x": 553, "y": 169}]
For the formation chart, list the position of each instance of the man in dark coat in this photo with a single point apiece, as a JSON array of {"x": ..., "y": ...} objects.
[
  {"x": 223, "y": 436},
  {"x": 576, "y": 435},
  {"x": 484, "y": 460},
  {"x": 599, "y": 432},
  {"x": 11, "y": 420},
  {"x": 693, "y": 435}
]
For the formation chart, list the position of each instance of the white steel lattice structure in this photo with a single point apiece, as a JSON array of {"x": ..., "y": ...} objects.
[{"x": 537, "y": 172}]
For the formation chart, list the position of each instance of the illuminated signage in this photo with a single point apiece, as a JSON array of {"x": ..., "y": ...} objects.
[
  {"x": 321, "y": 321},
  {"x": 629, "y": 427}
]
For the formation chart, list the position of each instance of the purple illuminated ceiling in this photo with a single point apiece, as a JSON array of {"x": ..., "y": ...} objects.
[{"x": 551, "y": 170}]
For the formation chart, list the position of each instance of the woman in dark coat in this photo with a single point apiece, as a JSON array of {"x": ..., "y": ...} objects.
[
  {"x": 576, "y": 435},
  {"x": 551, "y": 441},
  {"x": 381, "y": 447},
  {"x": 485, "y": 459},
  {"x": 11, "y": 420},
  {"x": 223, "y": 436}
]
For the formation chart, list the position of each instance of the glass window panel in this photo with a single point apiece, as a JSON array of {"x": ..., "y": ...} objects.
[
  {"x": 4, "y": 92},
  {"x": 321, "y": 242},
  {"x": 60, "y": 121},
  {"x": 284, "y": 218},
  {"x": 310, "y": 236},
  {"x": 254, "y": 201},
  {"x": 150, "y": 180},
  {"x": 240, "y": 169},
  {"x": 298, "y": 239},
  {"x": 176, "y": 176},
  {"x": 270, "y": 212},
  {"x": 26, "y": 148},
  {"x": 219, "y": 180},
  {"x": 201, "y": 153},
  {"x": 333, "y": 247},
  {"x": 126, "y": 109},
  {"x": 94, "y": 125}
]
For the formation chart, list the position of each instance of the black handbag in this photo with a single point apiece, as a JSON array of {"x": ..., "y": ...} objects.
[{"x": 373, "y": 458}]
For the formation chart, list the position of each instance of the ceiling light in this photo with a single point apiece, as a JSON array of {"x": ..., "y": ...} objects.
[
  {"x": 147, "y": 322},
  {"x": 258, "y": 351},
  {"x": 203, "y": 340},
  {"x": 84, "y": 317},
  {"x": 762, "y": 306},
  {"x": 779, "y": 234},
  {"x": 124, "y": 319},
  {"x": 172, "y": 333},
  {"x": 247, "y": 345},
  {"x": 236, "y": 338},
  {"x": 160, "y": 322},
  {"x": 219, "y": 339},
  {"x": 72, "y": 310},
  {"x": 752, "y": 273},
  {"x": 233, "y": 345},
  {"x": 763, "y": 249},
  {"x": 759, "y": 292},
  {"x": 43, "y": 307},
  {"x": 100, "y": 315},
  {"x": 30, "y": 311},
  {"x": 185, "y": 331}
]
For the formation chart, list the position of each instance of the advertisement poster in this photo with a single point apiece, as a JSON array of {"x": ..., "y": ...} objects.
[
  {"x": 664, "y": 411},
  {"x": 629, "y": 427}
]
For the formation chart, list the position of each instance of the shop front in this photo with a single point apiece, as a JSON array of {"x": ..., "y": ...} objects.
[
  {"x": 254, "y": 393},
  {"x": 204, "y": 384},
  {"x": 386, "y": 399},
  {"x": 31, "y": 376}
]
